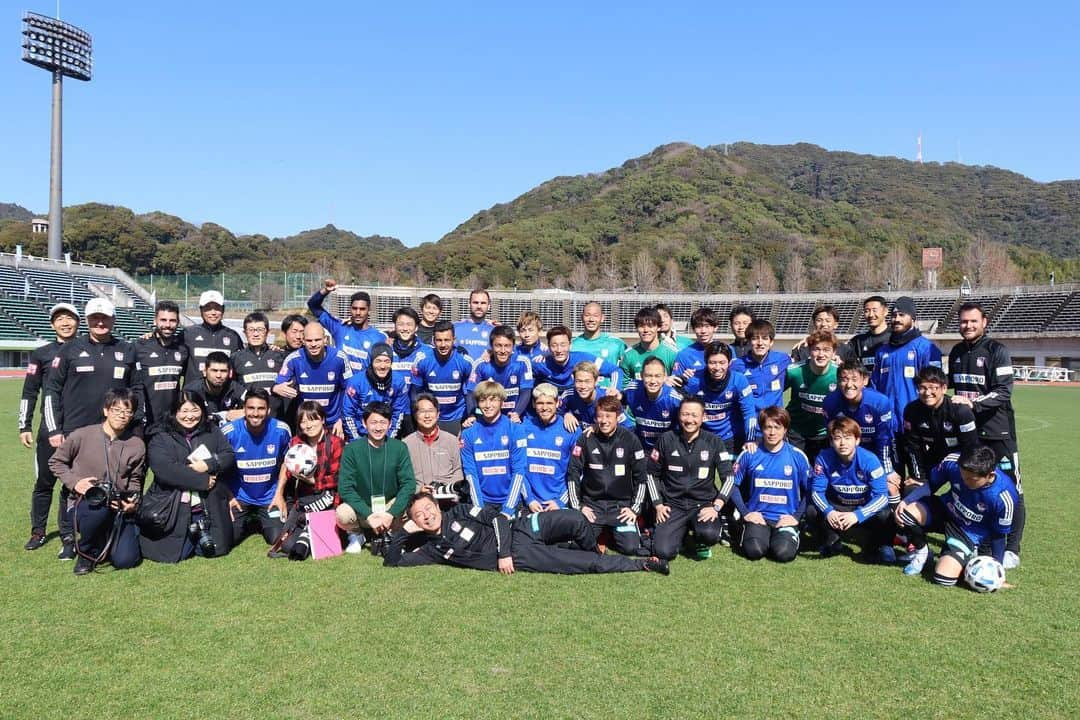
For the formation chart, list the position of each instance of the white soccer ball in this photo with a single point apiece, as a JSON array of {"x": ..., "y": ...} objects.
[
  {"x": 300, "y": 460},
  {"x": 984, "y": 574}
]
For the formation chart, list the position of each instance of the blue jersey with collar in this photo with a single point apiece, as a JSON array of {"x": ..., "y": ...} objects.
[
  {"x": 652, "y": 418},
  {"x": 857, "y": 486},
  {"x": 875, "y": 417},
  {"x": 535, "y": 354},
  {"x": 585, "y": 411},
  {"x": 548, "y": 449},
  {"x": 772, "y": 483},
  {"x": 895, "y": 368},
  {"x": 983, "y": 515},
  {"x": 355, "y": 342},
  {"x": 360, "y": 392},
  {"x": 322, "y": 380},
  {"x": 562, "y": 376},
  {"x": 516, "y": 376},
  {"x": 494, "y": 459},
  {"x": 475, "y": 337},
  {"x": 402, "y": 365},
  {"x": 445, "y": 378},
  {"x": 258, "y": 459},
  {"x": 766, "y": 377},
  {"x": 729, "y": 406}
]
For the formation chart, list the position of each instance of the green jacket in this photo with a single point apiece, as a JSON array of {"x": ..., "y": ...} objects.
[{"x": 367, "y": 471}]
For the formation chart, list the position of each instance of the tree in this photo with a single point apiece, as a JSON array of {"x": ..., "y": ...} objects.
[
  {"x": 762, "y": 276},
  {"x": 702, "y": 275},
  {"x": 610, "y": 274},
  {"x": 896, "y": 270},
  {"x": 579, "y": 277},
  {"x": 732, "y": 282},
  {"x": 673, "y": 281},
  {"x": 987, "y": 264},
  {"x": 643, "y": 272},
  {"x": 794, "y": 274}
]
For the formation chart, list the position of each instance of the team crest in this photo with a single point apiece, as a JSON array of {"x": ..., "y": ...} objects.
[
  {"x": 981, "y": 507},
  {"x": 505, "y": 440},
  {"x": 176, "y": 356},
  {"x": 457, "y": 375},
  {"x": 727, "y": 395},
  {"x": 832, "y": 386},
  {"x": 787, "y": 469},
  {"x": 225, "y": 342},
  {"x": 270, "y": 362},
  {"x": 868, "y": 417},
  {"x": 558, "y": 441},
  {"x": 665, "y": 413},
  {"x": 980, "y": 362},
  {"x": 269, "y": 448},
  {"x": 775, "y": 370},
  {"x": 329, "y": 376},
  {"x": 513, "y": 379},
  {"x": 911, "y": 355},
  {"x": 619, "y": 452},
  {"x": 704, "y": 456},
  {"x": 119, "y": 356},
  {"x": 947, "y": 425}
]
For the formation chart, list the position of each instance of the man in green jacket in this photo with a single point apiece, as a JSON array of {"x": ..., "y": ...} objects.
[{"x": 375, "y": 481}]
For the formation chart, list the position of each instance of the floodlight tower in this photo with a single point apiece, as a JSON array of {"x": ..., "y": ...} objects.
[
  {"x": 918, "y": 152},
  {"x": 62, "y": 49}
]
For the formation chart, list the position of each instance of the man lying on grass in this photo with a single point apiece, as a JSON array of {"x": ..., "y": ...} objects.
[{"x": 483, "y": 538}]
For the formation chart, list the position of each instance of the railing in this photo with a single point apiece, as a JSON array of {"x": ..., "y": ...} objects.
[
  {"x": 1039, "y": 373},
  {"x": 250, "y": 291}
]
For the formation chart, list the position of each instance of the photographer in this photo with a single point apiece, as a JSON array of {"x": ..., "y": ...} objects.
[
  {"x": 188, "y": 456},
  {"x": 104, "y": 466}
]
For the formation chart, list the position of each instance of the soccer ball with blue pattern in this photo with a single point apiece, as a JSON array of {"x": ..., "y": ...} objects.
[
  {"x": 984, "y": 574},
  {"x": 300, "y": 461}
]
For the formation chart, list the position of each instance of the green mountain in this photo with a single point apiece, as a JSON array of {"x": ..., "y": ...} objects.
[{"x": 735, "y": 217}]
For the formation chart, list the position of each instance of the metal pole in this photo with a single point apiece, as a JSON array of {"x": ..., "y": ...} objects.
[
  {"x": 260, "y": 289},
  {"x": 56, "y": 210},
  {"x": 185, "y": 291}
]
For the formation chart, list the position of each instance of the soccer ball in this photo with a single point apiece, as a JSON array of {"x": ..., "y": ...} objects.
[
  {"x": 984, "y": 574},
  {"x": 300, "y": 460}
]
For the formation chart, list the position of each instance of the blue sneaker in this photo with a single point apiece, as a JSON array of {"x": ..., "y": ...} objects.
[
  {"x": 918, "y": 561},
  {"x": 886, "y": 555}
]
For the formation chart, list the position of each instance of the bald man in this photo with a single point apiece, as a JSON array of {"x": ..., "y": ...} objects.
[{"x": 317, "y": 373}]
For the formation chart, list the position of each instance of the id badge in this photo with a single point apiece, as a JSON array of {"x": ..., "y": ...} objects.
[{"x": 378, "y": 504}]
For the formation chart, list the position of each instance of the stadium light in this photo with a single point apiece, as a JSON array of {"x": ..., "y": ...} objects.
[{"x": 62, "y": 49}]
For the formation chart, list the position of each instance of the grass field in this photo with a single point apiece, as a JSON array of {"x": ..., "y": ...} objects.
[{"x": 247, "y": 637}]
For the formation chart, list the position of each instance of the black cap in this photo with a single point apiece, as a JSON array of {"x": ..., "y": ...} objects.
[
  {"x": 380, "y": 349},
  {"x": 905, "y": 305}
]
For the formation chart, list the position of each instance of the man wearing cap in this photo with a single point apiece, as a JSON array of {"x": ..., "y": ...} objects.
[
  {"x": 316, "y": 373},
  {"x": 83, "y": 371},
  {"x": 356, "y": 336},
  {"x": 65, "y": 323},
  {"x": 898, "y": 361},
  {"x": 161, "y": 359},
  {"x": 209, "y": 335}
]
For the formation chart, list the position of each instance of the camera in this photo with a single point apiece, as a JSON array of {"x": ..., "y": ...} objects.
[
  {"x": 199, "y": 530},
  {"x": 380, "y": 545},
  {"x": 454, "y": 492},
  {"x": 99, "y": 495}
]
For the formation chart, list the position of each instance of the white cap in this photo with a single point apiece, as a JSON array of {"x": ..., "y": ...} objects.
[
  {"x": 63, "y": 307},
  {"x": 100, "y": 306},
  {"x": 211, "y": 296}
]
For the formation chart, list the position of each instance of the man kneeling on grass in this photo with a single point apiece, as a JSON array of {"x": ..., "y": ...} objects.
[{"x": 483, "y": 538}]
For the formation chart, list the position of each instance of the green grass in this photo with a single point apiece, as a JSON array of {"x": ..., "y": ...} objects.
[{"x": 247, "y": 637}]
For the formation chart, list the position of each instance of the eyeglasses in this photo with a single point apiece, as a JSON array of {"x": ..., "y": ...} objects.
[{"x": 120, "y": 410}]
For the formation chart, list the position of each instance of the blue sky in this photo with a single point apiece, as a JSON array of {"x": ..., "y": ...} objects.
[{"x": 404, "y": 119}]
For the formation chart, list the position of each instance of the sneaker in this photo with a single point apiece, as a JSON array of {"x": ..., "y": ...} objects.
[
  {"x": 37, "y": 540},
  {"x": 725, "y": 533},
  {"x": 831, "y": 549},
  {"x": 67, "y": 550},
  {"x": 655, "y": 564},
  {"x": 1012, "y": 560},
  {"x": 918, "y": 561},
  {"x": 276, "y": 554},
  {"x": 886, "y": 555},
  {"x": 356, "y": 544},
  {"x": 702, "y": 552},
  {"x": 84, "y": 566}
]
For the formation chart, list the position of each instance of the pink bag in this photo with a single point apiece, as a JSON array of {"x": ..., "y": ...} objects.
[{"x": 325, "y": 541}]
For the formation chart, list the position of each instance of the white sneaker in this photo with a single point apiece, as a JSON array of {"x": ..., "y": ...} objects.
[
  {"x": 356, "y": 544},
  {"x": 1012, "y": 560},
  {"x": 918, "y": 561}
]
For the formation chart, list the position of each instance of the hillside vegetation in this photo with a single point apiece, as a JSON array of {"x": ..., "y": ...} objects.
[{"x": 794, "y": 217}]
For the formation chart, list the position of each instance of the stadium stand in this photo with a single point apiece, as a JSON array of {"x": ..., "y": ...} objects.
[
  {"x": 1027, "y": 313},
  {"x": 1067, "y": 318}
]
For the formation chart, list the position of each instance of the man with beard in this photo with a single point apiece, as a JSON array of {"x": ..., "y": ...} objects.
[
  {"x": 375, "y": 383},
  {"x": 354, "y": 337},
  {"x": 223, "y": 396},
  {"x": 161, "y": 361},
  {"x": 444, "y": 373},
  {"x": 899, "y": 361},
  {"x": 473, "y": 332}
]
